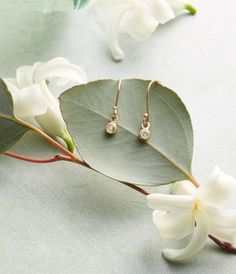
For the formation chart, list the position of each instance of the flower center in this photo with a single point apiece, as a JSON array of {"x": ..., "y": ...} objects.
[{"x": 196, "y": 205}]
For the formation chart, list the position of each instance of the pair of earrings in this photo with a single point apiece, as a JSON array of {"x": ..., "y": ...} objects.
[{"x": 144, "y": 133}]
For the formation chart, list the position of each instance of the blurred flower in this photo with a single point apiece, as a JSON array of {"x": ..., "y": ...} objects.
[
  {"x": 196, "y": 211},
  {"x": 33, "y": 99},
  {"x": 137, "y": 18}
]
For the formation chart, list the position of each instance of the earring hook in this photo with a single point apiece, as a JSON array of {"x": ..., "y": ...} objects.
[
  {"x": 118, "y": 92},
  {"x": 144, "y": 133},
  {"x": 111, "y": 127}
]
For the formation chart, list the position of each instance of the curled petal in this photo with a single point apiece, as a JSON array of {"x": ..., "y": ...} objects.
[
  {"x": 184, "y": 188},
  {"x": 113, "y": 31},
  {"x": 139, "y": 23},
  {"x": 218, "y": 188},
  {"x": 170, "y": 203},
  {"x": 24, "y": 75},
  {"x": 172, "y": 225},
  {"x": 161, "y": 10},
  {"x": 197, "y": 242},
  {"x": 61, "y": 68}
]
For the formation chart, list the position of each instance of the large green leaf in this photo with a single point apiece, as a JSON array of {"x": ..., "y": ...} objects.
[
  {"x": 10, "y": 130},
  {"x": 165, "y": 158}
]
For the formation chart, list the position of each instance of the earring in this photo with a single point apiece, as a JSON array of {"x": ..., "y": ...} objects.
[
  {"x": 145, "y": 133},
  {"x": 111, "y": 127}
]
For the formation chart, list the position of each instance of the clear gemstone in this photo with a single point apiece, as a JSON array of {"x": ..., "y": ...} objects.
[
  {"x": 144, "y": 134},
  {"x": 111, "y": 128}
]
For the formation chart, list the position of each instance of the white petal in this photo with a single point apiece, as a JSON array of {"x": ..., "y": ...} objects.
[
  {"x": 51, "y": 100},
  {"x": 172, "y": 225},
  {"x": 167, "y": 202},
  {"x": 223, "y": 234},
  {"x": 61, "y": 68},
  {"x": 161, "y": 10},
  {"x": 24, "y": 75},
  {"x": 184, "y": 188},
  {"x": 28, "y": 102},
  {"x": 114, "y": 29},
  {"x": 11, "y": 85},
  {"x": 224, "y": 218},
  {"x": 176, "y": 5},
  {"x": 52, "y": 122},
  {"x": 218, "y": 188},
  {"x": 197, "y": 242},
  {"x": 139, "y": 23}
]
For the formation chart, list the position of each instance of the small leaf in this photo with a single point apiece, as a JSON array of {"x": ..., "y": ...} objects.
[
  {"x": 79, "y": 3},
  {"x": 165, "y": 158},
  {"x": 10, "y": 130}
]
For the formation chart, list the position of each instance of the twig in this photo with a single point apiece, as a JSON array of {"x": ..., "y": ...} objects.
[
  {"x": 224, "y": 245},
  {"x": 137, "y": 188},
  {"x": 55, "y": 158}
]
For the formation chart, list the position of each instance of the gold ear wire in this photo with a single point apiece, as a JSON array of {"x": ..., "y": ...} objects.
[
  {"x": 145, "y": 133},
  {"x": 111, "y": 127}
]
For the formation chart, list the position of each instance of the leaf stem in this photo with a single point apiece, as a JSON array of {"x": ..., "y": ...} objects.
[
  {"x": 55, "y": 158},
  {"x": 137, "y": 188},
  {"x": 73, "y": 157},
  {"x": 194, "y": 181}
]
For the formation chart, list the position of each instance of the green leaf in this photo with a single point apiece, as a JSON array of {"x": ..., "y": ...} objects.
[
  {"x": 79, "y": 3},
  {"x": 10, "y": 130},
  {"x": 165, "y": 158}
]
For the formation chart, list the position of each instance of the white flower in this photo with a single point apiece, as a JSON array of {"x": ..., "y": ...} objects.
[
  {"x": 196, "y": 211},
  {"x": 33, "y": 99},
  {"x": 138, "y": 18}
]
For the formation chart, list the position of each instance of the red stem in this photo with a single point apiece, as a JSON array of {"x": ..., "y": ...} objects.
[
  {"x": 55, "y": 158},
  {"x": 139, "y": 189},
  {"x": 52, "y": 141},
  {"x": 224, "y": 245}
]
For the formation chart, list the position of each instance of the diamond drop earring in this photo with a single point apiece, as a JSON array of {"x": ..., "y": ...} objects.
[
  {"x": 111, "y": 127},
  {"x": 145, "y": 133}
]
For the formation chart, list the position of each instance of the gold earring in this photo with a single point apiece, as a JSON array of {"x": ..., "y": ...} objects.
[
  {"x": 111, "y": 127},
  {"x": 145, "y": 132}
]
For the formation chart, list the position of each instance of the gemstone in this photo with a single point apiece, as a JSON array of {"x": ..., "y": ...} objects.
[
  {"x": 111, "y": 128},
  {"x": 144, "y": 134}
]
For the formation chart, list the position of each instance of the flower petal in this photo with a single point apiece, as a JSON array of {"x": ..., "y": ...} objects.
[
  {"x": 24, "y": 75},
  {"x": 61, "y": 68},
  {"x": 218, "y": 188},
  {"x": 197, "y": 242},
  {"x": 176, "y": 5},
  {"x": 51, "y": 121},
  {"x": 167, "y": 202},
  {"x": 114, "y": 29},
  {"x": 172, "y": 225},
  {"x": 139, "y": 23},
  {"x": 184, "y": 188},
  {"x": 28, "y": 102},
  {"x": 223, "y": 234},
  {"x": 226, "y": 218},
  {"x": 161, "y": 10}
]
